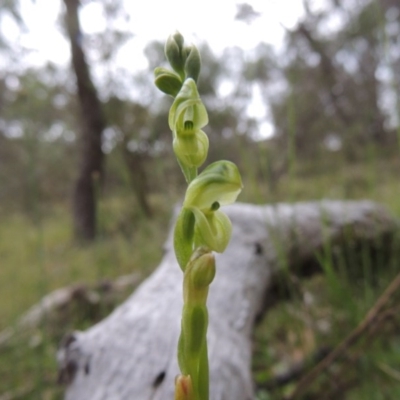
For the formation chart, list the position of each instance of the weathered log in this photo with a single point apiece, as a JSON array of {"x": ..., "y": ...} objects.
[
  {"x": 132, "y": 353},
  {"x": 54, "y": 304}
]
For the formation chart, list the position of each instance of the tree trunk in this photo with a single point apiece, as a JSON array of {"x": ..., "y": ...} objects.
[
  {"x": 132, "y": 353},
  {"x": 137, "y": 172},
  {"x": 91, "y": 168}
]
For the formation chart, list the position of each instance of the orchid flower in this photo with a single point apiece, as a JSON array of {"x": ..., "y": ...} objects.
[
  {"x": 186, "y": 118},
  {"x": 200, "y": 222}
]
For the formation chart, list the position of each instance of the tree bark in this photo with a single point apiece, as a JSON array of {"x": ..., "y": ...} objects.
[
  {"x": 137, "y": 172},
  {"x": 93, "y": 123},
  {"x": 330, "y": 73},
  {"x": 132, "y": 353}
]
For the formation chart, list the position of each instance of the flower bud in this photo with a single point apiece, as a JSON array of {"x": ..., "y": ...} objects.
[
  {"x": 175, "y": 54},
  {"x": 167, "y": 81},
  {"x": 201, "y": 270},
  {"x": 183, "y": 388},
  {"x": 191, "y": 150},
  {"x": 193, "y": 63},
  {"x": 177, "y": 36}
]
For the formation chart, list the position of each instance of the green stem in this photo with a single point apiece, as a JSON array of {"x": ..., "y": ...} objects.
[
  {"x": 203, "y": 373},
  {"x": 189, "y": 172}
]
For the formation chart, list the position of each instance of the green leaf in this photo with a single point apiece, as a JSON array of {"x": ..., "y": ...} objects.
[
  {"x": 181, "y": 355},
  {"x": 184, "y": 237},
  {"x": 195, "y": 320}
]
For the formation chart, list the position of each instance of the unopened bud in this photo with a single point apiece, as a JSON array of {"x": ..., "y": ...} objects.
[
  {"x": 183, "y": 388},
  {"x": 177, "y": 36},
  {"x": 167, "y": 81},
  {"x": 191, "y": 150},
  {"x": 202, "y": 270},
  {"x": 193, "y": 63},
  {"x": 175, "y": 54}
]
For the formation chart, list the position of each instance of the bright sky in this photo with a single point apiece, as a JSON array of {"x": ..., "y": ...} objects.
[{"x": 212, "y": 21}]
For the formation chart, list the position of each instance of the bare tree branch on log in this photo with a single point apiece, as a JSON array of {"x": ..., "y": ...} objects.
[
  {"x": 132, "y": 353},
  {"x": 93, "y": 123}
]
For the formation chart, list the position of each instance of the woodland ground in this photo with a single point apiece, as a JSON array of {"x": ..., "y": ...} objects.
[{"x": 38, "y": 255}]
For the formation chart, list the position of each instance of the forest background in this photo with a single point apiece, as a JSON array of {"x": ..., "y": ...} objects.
[{"x": 88, "y": 179}]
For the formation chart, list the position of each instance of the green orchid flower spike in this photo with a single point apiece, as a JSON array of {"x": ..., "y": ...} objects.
[{"x": 201, "y": 226}]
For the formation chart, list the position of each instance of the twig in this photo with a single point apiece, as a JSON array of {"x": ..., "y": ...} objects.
[
  {"x": 370, "y": 318},
  {"x": 294, "y": 372}
]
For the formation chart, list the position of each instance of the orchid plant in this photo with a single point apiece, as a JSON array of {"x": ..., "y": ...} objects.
[{"x": 201, "y": 227}]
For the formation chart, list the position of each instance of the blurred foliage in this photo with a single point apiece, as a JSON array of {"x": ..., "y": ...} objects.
[
  {"x": 328, "y": 92},
  {"x": 331, "y": 99},
  {"x": 338, "y": 82}
]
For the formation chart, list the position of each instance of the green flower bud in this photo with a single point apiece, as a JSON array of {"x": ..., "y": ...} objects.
[
  {"x": 191, "y": 150},
  {"x": 167, "y": 81},
  {"x": 200, "y": 271},
  {"x": 193, "y": 63},
  {"x": 175, "y": 53},
  {"x": 183, "y": 388},
  {"x": 179, "y": 39},
  {"x": 187, "y": 114}
]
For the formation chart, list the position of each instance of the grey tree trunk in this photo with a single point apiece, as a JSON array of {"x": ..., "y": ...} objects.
[
  {"x": 132, "y": 353},
  {"x": 91, "y": 169}
]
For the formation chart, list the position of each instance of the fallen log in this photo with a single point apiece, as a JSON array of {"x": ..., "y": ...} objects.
[
  {"x": 51, "y": 307},
  {"x": 132, "y": 353}
]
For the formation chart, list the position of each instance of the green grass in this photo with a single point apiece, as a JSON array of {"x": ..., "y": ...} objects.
[
  {"x": 39, "y": 255},
  {"x": 37, "y": 258},
  {"x": 323, "y": 310},
  {"x": 319, "y": 318}
]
